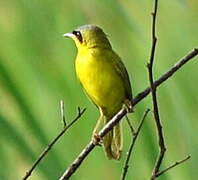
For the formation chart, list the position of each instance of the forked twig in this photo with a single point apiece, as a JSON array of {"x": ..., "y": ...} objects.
[
  {"x": 50, "y": 145},
  {"x": 156, "y": 172},
  {"x": 158, "y": 123},
  {"x": 193, "y": 53},
  {"x": 172, "y": 166},
  {"x": 135, "y": 134}
]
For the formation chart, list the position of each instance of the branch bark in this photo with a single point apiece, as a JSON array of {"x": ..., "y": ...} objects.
[
  {"x": 161, "y": 142},
  {"x": 91, "y": 145}
]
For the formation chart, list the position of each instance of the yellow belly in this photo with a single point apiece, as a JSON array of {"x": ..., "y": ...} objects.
[{"x": 100, "y": 80}]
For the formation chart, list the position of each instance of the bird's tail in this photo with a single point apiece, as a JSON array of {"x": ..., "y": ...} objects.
[{"x": 113, "y": 141}]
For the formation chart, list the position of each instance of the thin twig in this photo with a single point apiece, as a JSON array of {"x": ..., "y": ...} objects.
[
  {"x": 172, "y": 166},
  {"x": 158, "y": 123},
  {"x": 135, "y": 134},
  {"x": 91, "y": 145},
  {"x": 62, "y": 111},
  {"x": 130, "y": 125},
  {"x": 50, "y": 145},
  {"x": 193, "y": 53}
]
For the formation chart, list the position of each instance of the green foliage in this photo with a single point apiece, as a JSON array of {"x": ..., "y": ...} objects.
[{"x": 37, "y": 71}]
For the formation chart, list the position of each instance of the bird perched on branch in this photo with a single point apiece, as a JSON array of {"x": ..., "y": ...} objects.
[{"x": 105, "y": 80}]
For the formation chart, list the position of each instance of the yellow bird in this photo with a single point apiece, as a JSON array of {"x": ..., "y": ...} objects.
[{"x": 105, "y": 80}]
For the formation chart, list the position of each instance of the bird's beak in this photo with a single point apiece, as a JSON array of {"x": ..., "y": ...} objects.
[{"x": 70, "y": 35}]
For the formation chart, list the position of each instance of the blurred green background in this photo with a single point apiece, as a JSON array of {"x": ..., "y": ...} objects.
[{"x": 37, "y": 71}]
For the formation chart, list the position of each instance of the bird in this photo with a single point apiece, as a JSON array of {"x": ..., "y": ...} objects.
[{"x": 105, "y": 80}]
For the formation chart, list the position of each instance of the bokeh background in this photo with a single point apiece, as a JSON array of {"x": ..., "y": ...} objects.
[{"x": 37, "y": 71}]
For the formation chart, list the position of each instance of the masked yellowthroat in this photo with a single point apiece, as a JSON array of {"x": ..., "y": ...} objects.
[{"x": 105, "y": 80}]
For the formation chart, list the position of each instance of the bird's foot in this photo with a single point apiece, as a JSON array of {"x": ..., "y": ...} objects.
[
  {"x": 129, "y": 106},
  {"x": 97, "y": 140}
]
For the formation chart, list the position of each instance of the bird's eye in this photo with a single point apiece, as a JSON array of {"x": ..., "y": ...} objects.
[{"x": 78, "y": 35}]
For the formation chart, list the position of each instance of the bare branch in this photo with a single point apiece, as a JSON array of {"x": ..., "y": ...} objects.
[
  {"x": 135, "y": 134},
  {"x": 47, "y": 149},
  {"x": 167, "y": 75},
  {"x": 158, "y": 123},
  {"x": 91, "y": 145},
  {"x": 172, "y": 166}
]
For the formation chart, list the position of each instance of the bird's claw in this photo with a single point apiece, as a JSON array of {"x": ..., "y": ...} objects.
[{"x": 97, "y": 140}]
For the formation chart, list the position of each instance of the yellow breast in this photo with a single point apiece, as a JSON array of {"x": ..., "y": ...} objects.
[{"x": 99, "y": 78}]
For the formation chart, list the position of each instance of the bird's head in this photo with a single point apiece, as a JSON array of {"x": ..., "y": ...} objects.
[{"x": 89, "y": 36}]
